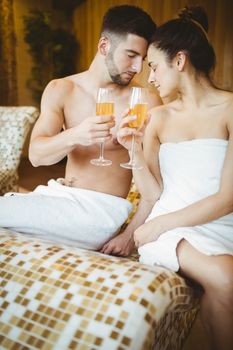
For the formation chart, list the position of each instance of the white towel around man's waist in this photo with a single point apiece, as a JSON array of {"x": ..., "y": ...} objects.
[
  {"x": 191, "y": 171},
  {"x": 69, "y": 215}
]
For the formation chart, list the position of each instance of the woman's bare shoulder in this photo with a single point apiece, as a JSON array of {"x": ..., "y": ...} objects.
[
  {"x": 159, "y": 113},
  {"x": 228, "y": 111},
  {"x": 229, "y": 97},
  {"x": 154, "y": 100},
  {"x": 224, "y": 99},
  {"x": 226, "y": 107}
]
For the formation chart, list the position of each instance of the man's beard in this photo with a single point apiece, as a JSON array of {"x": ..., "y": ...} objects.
[{"x": 114, "y": 72}]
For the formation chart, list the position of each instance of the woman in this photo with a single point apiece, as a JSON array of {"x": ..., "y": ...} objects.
[{"x": 188, "y": 170}]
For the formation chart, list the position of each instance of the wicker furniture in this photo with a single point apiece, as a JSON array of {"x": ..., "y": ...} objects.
[{"x": 15, "y": 123}]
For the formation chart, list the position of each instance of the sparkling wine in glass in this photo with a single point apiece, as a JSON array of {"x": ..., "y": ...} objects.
[
  {"x": 104, "y": 107},
  {"x": 138, "y": 107}
]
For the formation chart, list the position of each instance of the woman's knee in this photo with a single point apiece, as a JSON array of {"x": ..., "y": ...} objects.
[{"x": 220, "y": 283}]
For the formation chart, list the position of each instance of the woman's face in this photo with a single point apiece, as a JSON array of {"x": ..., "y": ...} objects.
[{"x": 163, "y": 74}]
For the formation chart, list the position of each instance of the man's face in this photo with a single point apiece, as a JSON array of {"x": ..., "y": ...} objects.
[{"x": 125, "y": 59}]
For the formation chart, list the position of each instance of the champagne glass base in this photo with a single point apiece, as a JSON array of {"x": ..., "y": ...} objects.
[
  {"x": 131, "y": 166},
  {"x": 101, "y": 162}
]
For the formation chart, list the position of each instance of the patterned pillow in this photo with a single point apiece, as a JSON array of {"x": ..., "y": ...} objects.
[{"x": 14, "y": 126}]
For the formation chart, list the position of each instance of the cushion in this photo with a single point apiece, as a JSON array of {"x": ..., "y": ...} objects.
[
  {"x": 55, "y": 297},
  {"x": 15, "y": 123}
]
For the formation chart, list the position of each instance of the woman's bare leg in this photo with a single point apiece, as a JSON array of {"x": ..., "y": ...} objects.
[{"x": 215, "y": 275}]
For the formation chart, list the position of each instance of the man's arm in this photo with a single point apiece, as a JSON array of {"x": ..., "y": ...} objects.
[
  {"x": 123, "y": 244},
  {"x": 49, "y": 142}
]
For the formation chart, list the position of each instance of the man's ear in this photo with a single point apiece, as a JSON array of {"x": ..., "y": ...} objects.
[
  {"x": 180, "y": 60},
  {"x": 103, "y": 45}
]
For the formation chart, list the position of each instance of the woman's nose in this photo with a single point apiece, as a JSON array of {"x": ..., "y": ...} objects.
[{"x": 151, "y": 78}]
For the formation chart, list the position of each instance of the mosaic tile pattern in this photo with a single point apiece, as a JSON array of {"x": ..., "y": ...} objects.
[
  {"x": 15, "y": 123},
  {"x": 60, "y": 298}
]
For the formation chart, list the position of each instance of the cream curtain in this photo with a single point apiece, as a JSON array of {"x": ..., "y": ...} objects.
[
  {"x": 88, "y": 16},
  {"x": 8, "y": 86}
]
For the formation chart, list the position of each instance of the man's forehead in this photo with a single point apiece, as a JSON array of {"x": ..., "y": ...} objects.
[
  {"x": 132, "y": 38},
  {"x": 134, "y": 43}
]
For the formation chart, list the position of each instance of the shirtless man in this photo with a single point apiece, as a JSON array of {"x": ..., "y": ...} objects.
[{"x": 69, "y": 127}]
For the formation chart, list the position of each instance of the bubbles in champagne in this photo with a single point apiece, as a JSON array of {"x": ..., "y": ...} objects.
[{"x": 140, "y": 110}]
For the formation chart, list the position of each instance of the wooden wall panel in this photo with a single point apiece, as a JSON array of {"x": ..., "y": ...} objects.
[{"x": 88, "y": 16}]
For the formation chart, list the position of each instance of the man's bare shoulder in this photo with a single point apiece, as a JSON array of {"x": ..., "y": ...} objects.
[
  {"x": 78, "y": 78},
  {"x": 65, "y": 84},
  {"x": 69, "y": 82},
  {"x": 57, "y": 88}
]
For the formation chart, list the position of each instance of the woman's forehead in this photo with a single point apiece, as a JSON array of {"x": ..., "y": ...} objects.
[{"x": 154, "y": 54}]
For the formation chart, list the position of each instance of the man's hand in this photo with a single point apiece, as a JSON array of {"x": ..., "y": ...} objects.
[
  {"x": 121, "y": 245},
  {"x": 93, "y": 130}
]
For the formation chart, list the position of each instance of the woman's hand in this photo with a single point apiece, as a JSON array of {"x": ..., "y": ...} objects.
[
  {"x": 124, "y": 133},
  {"x": 149, "y": 232}
]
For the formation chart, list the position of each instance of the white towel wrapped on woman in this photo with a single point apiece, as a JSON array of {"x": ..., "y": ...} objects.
[
  {"x": 191, "y": 170},
  {"x": 69, "y": 215}
]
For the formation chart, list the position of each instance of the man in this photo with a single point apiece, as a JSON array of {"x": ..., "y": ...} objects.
[{"x": 88, "y": 206}]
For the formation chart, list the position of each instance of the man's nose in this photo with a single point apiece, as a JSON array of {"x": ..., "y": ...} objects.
[{"x": 137, "y": 66}]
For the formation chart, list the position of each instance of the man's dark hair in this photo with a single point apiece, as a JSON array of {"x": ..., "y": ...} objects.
[{"x": 126, "y": 19}]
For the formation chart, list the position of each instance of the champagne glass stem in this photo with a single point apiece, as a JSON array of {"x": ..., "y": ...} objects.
[
  {"x": 132, "y": 150},
  {"x": 131, "y": 164},
  {"x": 101, "y": 150}
]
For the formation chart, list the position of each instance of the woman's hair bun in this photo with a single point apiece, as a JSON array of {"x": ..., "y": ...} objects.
[{"x": 196, "y": 13}]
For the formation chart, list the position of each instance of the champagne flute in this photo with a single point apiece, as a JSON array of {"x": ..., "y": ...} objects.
[
  {"x": 138, "y": 107},
  {"x": 104, "y": 107}
]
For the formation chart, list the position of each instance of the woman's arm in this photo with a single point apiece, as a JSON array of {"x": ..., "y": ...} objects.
[
  {"x": 150, "y": 188},
  {"x": 198, "y": 213},
  {"x": 148, "y": 179}
]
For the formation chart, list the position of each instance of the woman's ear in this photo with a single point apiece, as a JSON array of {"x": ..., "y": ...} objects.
[
  {"x": 103, "y": 45},
  {"x": 181, "y": 58}
]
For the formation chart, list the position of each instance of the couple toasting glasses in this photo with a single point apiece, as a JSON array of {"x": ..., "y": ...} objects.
[
  {"x": 184, "y": 220},
  {"x": 137, "y": 109}
]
